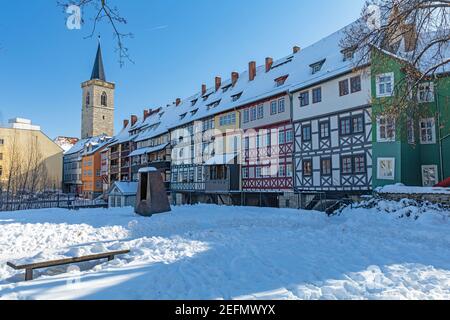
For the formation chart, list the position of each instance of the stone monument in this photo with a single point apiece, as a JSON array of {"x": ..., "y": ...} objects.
[{"x": 151, "y": 196}]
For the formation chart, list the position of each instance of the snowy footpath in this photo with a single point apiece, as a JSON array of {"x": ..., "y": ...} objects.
[{"x": 385, "y": 251}]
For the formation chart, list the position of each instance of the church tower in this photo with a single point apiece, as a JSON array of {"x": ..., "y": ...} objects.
[{"x": 97, "y": 115}]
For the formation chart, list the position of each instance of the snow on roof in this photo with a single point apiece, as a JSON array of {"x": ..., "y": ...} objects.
[
  {"x": 435, "y": 55},
  {"x": 123, "y": 136},
  {"x": 142, "y": 151},
  {"x": 297, "y": 68},
  {"x": 81, "y": 144},
  {"x": 432, "y": 56},
  {"x": 126, "y": 188},
  {"x": 95, "y": 146},
  {"x": 402, "y": 189}
]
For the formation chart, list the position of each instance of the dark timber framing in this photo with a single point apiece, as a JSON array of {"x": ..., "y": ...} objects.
[{"x": 334, "y": 147}]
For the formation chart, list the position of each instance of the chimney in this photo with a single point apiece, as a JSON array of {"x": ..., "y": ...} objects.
[
  {"x": 146, "y": 114},
  {"x": 178, "y": 102},
  {"x": 234, "y": 78},
  {"x": 269, "y": 62},
  {"x": 252, "y": 70},
  {"x": 203, "y": 89},
  {"x": 218, "y": 83},
  {"x": 133, "y": 120},
  {"x": 125, "y": 123},
  {"x": 296, "y": 49}
]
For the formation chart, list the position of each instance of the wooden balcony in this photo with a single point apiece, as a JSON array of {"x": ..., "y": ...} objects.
[
  {"x": 115, "y": 155},
  {"x": 114, "y": 169}
]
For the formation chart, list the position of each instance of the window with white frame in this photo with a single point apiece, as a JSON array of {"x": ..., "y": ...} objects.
[
  {"x": 426, "y": 92},
  {"x": 281, "y": 106},
  {"x": 289, "y": 172},
  {"x": 258, "y": 140},
  {"x": 386, "y": 129},
  {"x": 273, "y": 107},
  {"x": 289, "y": 136},
  {"x": 260, "y": 111},
  {"x": 246, "y": 116},
  {"x": 429, "y": 176},
  {"x": 427, "y": 131},
  {"x": 247, "y": 143},
  {"x": 227, "y": 120},
  {"x": 281, "y": 137},
  {"x": 385, "y": 85},
  {"x": 386, "y": 168},
  {"x": 304, "y": 99},
  {"x": 245, "y": 174},
  {"x": 253, "y": 113},
  {"x": 281, "y": 171},
  {"x": 317, "y": 95},
  {"x": 258, "y": 172},
  {"x": 268, "y": 139},
  {"x": 266, "y": 171},
  {"x": 324, "y": 130}
]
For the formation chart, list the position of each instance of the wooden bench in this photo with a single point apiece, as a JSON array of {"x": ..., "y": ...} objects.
[{"x": 30, "y": 267}]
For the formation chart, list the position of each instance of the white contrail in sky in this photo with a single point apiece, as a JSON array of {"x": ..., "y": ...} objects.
[{"x": 159, "y": 27}]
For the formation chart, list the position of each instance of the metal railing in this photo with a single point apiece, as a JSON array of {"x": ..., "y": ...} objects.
[{"x": 32, "y": 202}]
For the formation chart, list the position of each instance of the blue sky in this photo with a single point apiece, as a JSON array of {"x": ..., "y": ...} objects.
[{"x": 177, "y": 46}]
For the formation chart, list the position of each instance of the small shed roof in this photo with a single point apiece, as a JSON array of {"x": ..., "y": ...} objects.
[{"x": 124, "y": 188}]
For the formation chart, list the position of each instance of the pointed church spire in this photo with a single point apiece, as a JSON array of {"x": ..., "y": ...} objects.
[{"x": 98, "y": 72}]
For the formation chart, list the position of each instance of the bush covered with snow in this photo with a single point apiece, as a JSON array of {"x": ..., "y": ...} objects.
[{"x": 406, "y": 208}]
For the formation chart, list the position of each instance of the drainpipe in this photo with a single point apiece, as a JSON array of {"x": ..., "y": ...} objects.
[
  {"x": 294, "y": 168},
  {"x": 440, "y": 139}
]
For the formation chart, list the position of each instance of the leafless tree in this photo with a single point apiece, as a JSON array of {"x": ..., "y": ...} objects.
[
  {"x": 102, "y": 11},
  {"x": 13, "y": 170},
  {"x": 416, "y": 32}
]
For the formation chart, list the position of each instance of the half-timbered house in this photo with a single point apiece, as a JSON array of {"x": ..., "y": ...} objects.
[
  {"x": 332, "y": 122},
  {"x": 151, "y": 147}
]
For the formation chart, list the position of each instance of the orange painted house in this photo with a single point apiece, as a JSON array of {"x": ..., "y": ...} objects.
[{"x": 91, "y": 171}]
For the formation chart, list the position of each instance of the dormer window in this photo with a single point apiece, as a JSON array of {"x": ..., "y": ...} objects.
[
  {"x": 281, "y": 80},
  {"x": 226, "y": 88},
  {"x": 213, "y": 105},
  {"x": 236, "y": 97},
  {"x": 348, "y": 54},
  {"x": 193, "y": 102},
  {"x": 316, "y": 67},
  {"x": 182, "y": 116},
  {"x": 161, "y": 114},
  {"x": 206, "y": 96},
  {"x": 193, "y": 112},
  {"x": 279, "y": 63}
]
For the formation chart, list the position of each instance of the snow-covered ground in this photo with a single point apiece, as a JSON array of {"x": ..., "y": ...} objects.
[{"x": 390, "y": 251}]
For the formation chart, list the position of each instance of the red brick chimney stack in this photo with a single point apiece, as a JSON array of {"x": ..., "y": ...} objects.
[
  {"x": 218, "y": 82},
  {"x": 234, "y": 78},
  {"x": 269, "y": 63},
  {"x": 251, "y": 70},
  {"x": 133, "y": 120}
]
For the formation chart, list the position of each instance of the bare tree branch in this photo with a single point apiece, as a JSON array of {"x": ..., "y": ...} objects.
[
  {"x": 416, "y": 32},
  {"x": 104, "y": 12}
]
